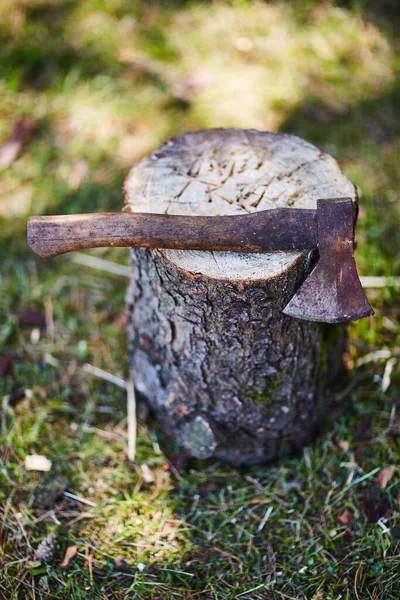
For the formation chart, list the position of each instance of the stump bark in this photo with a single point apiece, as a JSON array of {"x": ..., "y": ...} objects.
[{"x": 224, "y": 371}]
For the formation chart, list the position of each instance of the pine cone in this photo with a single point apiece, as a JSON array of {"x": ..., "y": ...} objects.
[{"x": 45, "y": 551}]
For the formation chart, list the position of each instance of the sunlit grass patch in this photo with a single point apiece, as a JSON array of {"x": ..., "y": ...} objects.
[{"x": 265, "y": 59}]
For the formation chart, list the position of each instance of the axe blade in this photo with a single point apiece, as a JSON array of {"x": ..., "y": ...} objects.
[{"x": 332, "y": 292}]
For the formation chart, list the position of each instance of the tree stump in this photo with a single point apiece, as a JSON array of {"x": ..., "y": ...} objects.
[{"x": 224, "y": 371}]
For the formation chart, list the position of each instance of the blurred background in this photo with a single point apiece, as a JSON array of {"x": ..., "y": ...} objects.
[{"x": 86, "y": 88}]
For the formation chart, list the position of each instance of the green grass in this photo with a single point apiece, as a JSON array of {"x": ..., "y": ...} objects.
[{"x": 104, "y": 83}]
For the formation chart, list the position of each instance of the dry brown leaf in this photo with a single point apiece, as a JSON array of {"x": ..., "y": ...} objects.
[
  {"x": 29, "y": 317},
  {"x": 346, "y": 517},
  {"x": 23, "y": 131},
  {"x": 70, "y": 552},
  {"x": 384, "y": 476},
  {"x": 344, "y": 445},
  {"x": 9, "y": 152},
  {"x": 6, "y": 366},
  {"x": 121, "y": 566}
]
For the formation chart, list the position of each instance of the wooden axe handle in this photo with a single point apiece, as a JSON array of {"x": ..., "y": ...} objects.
[{"x": 265, "y": 231}]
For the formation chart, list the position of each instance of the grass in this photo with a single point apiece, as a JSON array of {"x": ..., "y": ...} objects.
[{"x": 102, "y": 83}]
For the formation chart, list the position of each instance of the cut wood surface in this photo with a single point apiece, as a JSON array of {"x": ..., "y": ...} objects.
[
  {"x": 232, "y": 172},
  {"x": 224, "y": 371}
]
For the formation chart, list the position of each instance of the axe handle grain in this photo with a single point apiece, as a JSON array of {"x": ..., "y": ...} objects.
[{"x": 266, "y": 231}]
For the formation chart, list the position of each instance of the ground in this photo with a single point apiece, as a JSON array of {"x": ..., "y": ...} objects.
[{"x": 87, "y": 87}]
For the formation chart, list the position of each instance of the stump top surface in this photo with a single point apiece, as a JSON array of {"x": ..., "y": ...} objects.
[{"x": 233, "y": 171}]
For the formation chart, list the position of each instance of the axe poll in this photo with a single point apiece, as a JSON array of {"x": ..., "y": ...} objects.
[{"x": 331, "y": 292}]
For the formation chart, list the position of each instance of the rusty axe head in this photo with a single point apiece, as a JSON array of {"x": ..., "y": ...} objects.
[{"x": 332, "y": 292}]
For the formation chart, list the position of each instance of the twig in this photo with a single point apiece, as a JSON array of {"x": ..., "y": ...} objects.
[
  {"x": 373, "y": 356},
  {"x": 258, "y": 587},
  {"x": 108, "y": 435},
  {"x": 79, "y": 499},
  {"x": 94, "y": 262},
  {"x": 131, "y": 423},
  {"x": 49, "y": 316},
  {"x": 382, "y": 524},
  {"x": 380, "y": 282},
  {"x": 105, "y": 375},
  {"x": 265, "y": 518},
  {"x": 387, "y": 374}
]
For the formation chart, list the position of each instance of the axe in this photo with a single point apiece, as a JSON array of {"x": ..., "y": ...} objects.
[{"x": 331, "y": 293}]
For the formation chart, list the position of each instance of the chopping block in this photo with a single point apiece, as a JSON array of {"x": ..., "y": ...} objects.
[{"x": 226, "y": 373}]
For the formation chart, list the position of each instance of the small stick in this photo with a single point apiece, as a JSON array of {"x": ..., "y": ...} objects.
[
  {"x": 94, "y": 262},
  {"x": 375, "y": 356},
  {"x": 132, "y": 425},
  {"x": 387, "y": 374},
  {"x": 79, "y": 499},
  {"x": 380, "y": 282},
  {"x": 105, "y": 375},
  {"x": 49, "y": 316}
]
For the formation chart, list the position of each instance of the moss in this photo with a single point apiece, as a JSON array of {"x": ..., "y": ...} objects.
[{"x": 269, "y": 394}]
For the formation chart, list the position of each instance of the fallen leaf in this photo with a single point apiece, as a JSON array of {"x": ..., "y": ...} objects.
[
  {"x": 9, "y": 152},
  {"x": 6, "y": 365},
  {"x": 346, "y": 517},
  {"x": 344, "y": 445},
  {"x": 37, "y": 462},
  {"x": 147, "y": 473},
  {"x": 169, "y": 530},
  {"x": 35, "y": 336},
  {"x": 121, "y": 565},
  {"x": 30, "y": 317},
  {"x": 23, "y": 130},
  {"x": 384, "y": 476},
  {"x": 70, "y": 552}
]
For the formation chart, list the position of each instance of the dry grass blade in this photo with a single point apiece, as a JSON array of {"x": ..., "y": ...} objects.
[
  {"x": 94, "y": 262},
  {"x": 105, "y": 375}
]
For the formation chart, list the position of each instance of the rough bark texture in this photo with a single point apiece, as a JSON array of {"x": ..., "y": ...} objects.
[{"x": 224, "y": 371}]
